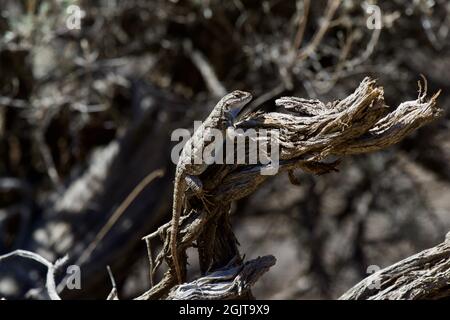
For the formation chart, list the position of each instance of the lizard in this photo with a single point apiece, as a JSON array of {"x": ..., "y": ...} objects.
[{"x": 221, "y": 117}]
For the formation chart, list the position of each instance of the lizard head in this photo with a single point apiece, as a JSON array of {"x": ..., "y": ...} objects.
[{"x": 235, "y": 101}]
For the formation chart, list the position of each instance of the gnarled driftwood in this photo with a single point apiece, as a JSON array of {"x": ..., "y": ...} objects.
[{"x": 308, "y": 132}]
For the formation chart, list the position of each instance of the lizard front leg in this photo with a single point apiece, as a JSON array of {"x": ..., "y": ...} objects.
[{"x": 194, "y": 184}]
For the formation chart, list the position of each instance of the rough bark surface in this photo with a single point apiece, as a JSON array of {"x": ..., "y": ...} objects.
[{"x": 425, "y": 275}]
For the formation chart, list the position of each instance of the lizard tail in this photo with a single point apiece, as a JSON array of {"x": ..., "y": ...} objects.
[{"x": 176, "y": 212}]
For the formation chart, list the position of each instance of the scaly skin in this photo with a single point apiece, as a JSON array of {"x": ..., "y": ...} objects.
[{"x": 221, "y": 117}]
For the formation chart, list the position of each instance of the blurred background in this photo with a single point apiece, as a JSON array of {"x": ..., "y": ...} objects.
[{"x": 90, "y": 92}]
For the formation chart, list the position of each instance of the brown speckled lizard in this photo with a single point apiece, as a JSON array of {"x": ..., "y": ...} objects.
[{"x": 221, "y": 117}]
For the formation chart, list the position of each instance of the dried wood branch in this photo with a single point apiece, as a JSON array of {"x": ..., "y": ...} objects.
[
  {"x": 51, "y": 268},
  {"x": 229, "y": 283},
  {"x": 309, "y": 132},
  {"x": 425, "y": 275}
]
